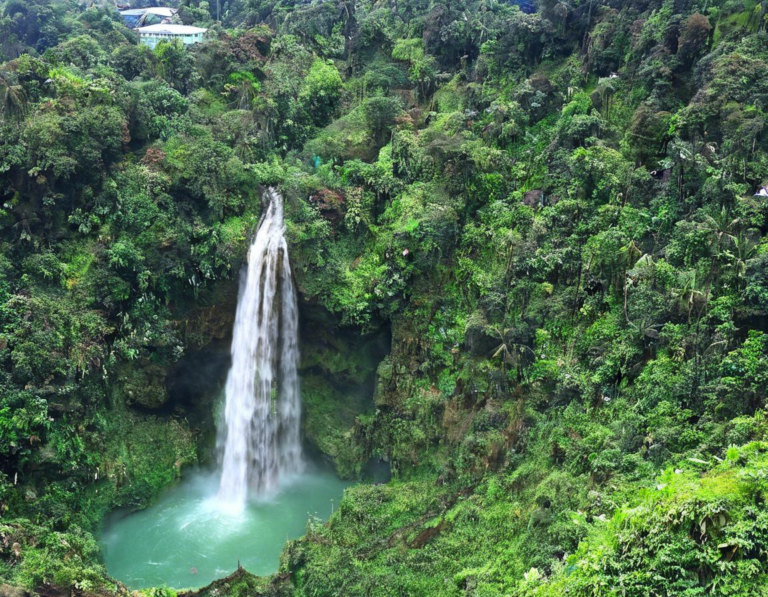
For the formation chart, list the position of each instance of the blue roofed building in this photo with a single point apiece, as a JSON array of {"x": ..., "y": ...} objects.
[{"x": 134, "y": 18}]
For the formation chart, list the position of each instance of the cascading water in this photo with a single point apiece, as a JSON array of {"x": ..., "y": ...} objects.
[
  {"x": 260, "y": 433},
  {"x": 188, "y": 539}
]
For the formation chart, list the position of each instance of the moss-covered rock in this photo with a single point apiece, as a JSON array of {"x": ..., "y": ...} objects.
[
  {"x": 329, "y": 415},
  {"x": 242, "y": 583},
  {"x": 10, "y": 591},
  {"x": 47, "y": 561},
  {"x": 211, "y": 318},
  {"x": 338, "y": 370},
  {"x": 140, "y": 455},
  {"x": 141, "y": 385}
]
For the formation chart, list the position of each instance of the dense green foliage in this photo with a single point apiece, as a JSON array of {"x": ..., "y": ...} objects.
[{"x": 551, "y": 211}]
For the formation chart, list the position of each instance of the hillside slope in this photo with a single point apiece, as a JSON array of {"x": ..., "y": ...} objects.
[{"x": 551, "y": 210}]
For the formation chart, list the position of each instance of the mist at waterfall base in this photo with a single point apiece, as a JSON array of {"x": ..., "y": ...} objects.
[
  {"x": 187, "y": 540},
  {"x": 264, "y": 492}
]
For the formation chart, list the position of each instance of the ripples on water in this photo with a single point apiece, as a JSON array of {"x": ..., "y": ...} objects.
[{"x": 188, "y": 539}]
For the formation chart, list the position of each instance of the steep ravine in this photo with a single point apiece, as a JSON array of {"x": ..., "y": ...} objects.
[
  {"x": 182, "y": 400},
  {"x": 337, "y": 371}
]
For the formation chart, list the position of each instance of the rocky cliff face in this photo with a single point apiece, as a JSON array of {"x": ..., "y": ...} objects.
[{"x": 338, "y": 376}]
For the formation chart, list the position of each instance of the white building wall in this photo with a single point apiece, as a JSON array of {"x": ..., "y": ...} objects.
[{"x": 152, "y": 39}]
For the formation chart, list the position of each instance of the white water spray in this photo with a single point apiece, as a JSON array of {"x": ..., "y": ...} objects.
[{"x": 260, "y": 434}]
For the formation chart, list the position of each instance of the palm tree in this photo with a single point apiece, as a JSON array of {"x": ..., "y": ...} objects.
[
  {"x": 744, "y": 249},
  {"x": 721, "y": 226},
  {"x": 562, "y": 10},
  {"x": 606, "y": 90},
  {"x": 723, "y": 229},
  {"x": 243, "y": 92},
  {"x": 13, "y": 100},
  {"x": 511, "y": 353},
  {"x": 690, "y": 294}
]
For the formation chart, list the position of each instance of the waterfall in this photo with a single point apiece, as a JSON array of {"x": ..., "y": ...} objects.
[{"x": 260, "y": 428}]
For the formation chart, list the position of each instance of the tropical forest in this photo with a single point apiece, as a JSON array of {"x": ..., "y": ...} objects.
[{"x": 383, "y": 298}]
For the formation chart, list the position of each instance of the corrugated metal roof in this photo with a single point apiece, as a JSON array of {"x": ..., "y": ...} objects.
[
  {"x": 163, "y": 12},
  {"x": 160, "y": 11}
]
